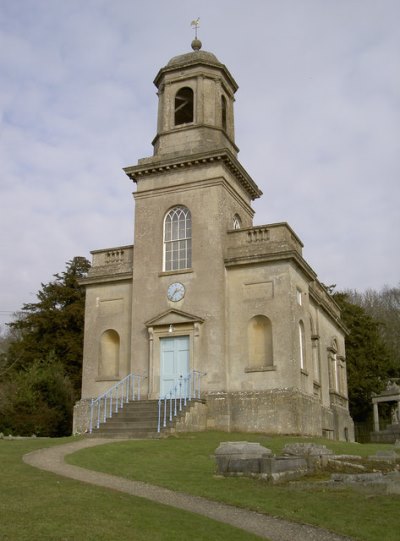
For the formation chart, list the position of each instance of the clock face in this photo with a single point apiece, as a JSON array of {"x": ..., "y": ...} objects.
[{"x": 176, "y": 292}]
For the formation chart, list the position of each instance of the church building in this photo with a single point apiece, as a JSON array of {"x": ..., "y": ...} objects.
[{"x": 202, "y": 290}]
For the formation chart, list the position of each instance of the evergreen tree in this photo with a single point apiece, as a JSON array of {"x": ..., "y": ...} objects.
[
  {"x": 369, "y": 362},
  {"x": 54, "y": 324},
  {"x": 41, "y": 358},
  {"x": 384, "y": 307},
  {"x": 37, "y": 400}
]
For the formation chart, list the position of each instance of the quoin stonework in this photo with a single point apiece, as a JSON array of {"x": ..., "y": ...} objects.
[{"x": 204, "y": 289}]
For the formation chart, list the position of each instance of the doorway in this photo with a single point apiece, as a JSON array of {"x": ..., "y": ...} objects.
[{"x": 174, "y": 361}]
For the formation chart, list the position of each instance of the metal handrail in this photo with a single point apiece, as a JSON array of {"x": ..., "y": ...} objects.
[
  {"x": 114, "y": 399},
  {"x": 183, "y": 391}
]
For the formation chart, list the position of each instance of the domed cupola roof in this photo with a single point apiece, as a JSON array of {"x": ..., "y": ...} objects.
[
  {"x": 197, "y": 57},
  {"x": 194, "y": 58}
]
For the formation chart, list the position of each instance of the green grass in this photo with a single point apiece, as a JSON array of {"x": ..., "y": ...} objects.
[
  {"x": 40, "y": 506},
  {"x": 185, "y": 463}
]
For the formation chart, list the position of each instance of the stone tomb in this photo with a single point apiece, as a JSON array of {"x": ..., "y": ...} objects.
[{"x": 242, "y": 458}]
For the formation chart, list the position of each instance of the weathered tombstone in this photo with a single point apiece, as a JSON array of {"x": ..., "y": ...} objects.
[
  {"x": 240, "y": 457},
  {"x": 277, "y": 468},
  {"x": 315, "y": 455},
  {"x": 385, "y": 456}
]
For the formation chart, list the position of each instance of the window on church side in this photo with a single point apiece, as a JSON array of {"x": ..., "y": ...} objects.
[
  {"x": 184, "y": 106},
  {"x": 237, "y": 222},
  {"x": 302, "y": 345},
  {"x": 315, "y": 351},
  {"x": 223, "y": 112},
  {"x": 178, "y": 239},
  {"x": 337, "y": 369}
]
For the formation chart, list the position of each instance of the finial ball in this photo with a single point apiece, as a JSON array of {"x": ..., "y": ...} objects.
[{"x": 196, "y": 45}]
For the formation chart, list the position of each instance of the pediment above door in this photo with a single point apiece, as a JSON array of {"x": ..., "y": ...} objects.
[{"x": 173, "y": 317}]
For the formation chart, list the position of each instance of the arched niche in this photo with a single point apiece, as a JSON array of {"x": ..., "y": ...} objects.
[
  {"x": 109, "y": 354},
  {"x": 259, "y": 334}
]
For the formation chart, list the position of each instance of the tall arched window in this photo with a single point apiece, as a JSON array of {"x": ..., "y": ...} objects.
[
  {"x": 302, "y": 345},
  {"x": 178, "y": 239},
  {"x": 184, "y": 106},
  {"x": 315, "y": 351},
  {"x": 334, "y": 377},
  {"x": 259, "y": 332},
  {"x": 223, "y": 112},
  {"x": 109, "y": 354}
]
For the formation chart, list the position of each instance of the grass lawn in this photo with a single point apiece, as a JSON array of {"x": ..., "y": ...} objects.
[
  {"x": 185, "y": 463},
  {"x": 40, "y": 506}
]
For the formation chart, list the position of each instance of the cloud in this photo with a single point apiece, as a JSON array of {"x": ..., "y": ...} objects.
[{"x": 317, "y": 121}]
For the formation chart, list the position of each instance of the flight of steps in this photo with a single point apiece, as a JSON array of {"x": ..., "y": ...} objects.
[{"x": 137, "y": 419}]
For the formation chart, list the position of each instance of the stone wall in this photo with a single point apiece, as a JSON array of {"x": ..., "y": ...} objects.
[
  {"x": 194, "y": 419},
  {"x": 280, "y": 411}
]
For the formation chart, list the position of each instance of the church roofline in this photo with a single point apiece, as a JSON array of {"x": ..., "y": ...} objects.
[
  {"x": 111, "y": 249},
  {"x": 158, "y": 166}
]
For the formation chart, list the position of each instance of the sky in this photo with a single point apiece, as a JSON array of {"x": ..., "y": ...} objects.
[{"x": 317, "y": 121}]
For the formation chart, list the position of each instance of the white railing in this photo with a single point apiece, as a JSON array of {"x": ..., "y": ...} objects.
[
  {"x": 103, "y": 407},
  {"x": 183, "y": 390}
]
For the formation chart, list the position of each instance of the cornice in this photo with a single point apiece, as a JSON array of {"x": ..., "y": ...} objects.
[
  {"x": 325, "y": 305},
  {"x": 103, "y": 279},
  {"x": 161, "y": 166}
]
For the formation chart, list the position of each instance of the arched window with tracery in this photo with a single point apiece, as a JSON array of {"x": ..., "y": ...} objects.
[
  {"x": 259, "y": 333},
  {"x": 109, "y": 354},
  {"x": 184, "y": 108},
  {"x": 178, "y": 239},
  {"x": 237, "y": 222}
]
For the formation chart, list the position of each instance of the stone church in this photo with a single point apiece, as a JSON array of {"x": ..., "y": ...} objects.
[{"x": 202, "y": 289}]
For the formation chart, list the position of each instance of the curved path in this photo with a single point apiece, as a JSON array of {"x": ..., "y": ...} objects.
[{"x": 267, "y": 527}]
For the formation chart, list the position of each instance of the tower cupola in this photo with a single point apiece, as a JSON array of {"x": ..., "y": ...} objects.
[{"x": 195, "y": 108}]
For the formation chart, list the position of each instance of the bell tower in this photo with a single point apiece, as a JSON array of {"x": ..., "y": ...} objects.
[{"x": 195, "y": 108}]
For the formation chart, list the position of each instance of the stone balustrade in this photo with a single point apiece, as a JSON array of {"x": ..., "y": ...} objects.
[
  {"x": 118, "y": 260},
  {"x": 262, "y": 240}
]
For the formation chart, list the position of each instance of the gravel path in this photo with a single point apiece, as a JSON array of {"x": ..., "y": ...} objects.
[{"x": 267, "y": 527}]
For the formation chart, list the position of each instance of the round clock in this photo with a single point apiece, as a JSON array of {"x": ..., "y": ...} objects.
[{"x": 176, "y": 292}]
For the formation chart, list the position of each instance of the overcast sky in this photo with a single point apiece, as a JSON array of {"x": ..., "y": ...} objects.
[{"x": 317, "y": 121}]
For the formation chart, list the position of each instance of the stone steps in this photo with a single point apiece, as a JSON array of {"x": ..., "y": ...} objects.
[{"x": 137, "y": 419}]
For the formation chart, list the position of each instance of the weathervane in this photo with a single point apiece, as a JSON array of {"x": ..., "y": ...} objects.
[{"x": 195, "y": 24}]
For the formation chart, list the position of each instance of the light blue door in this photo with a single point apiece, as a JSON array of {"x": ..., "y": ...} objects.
[{"x": 174, "y": 362}]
